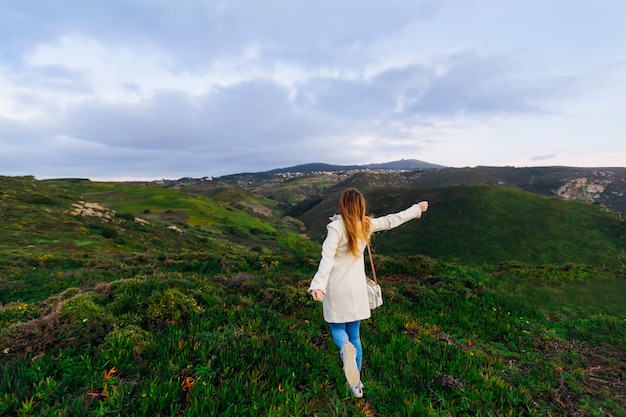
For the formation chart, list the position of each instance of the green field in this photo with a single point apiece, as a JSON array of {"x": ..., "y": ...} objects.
[{"x": 107, "y": 318}]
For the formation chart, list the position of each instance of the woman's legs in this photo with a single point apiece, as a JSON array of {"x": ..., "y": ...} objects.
[
  {"x": 346, "y": 336},
  {"x": 355, "y": 338},
  {"x": 348, "y": 332}
]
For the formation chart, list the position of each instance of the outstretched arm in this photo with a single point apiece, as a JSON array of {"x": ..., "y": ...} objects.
[{"x": 396, "y": 219}]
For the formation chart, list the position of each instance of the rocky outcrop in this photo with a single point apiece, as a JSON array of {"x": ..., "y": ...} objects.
[
  {"x": 87, "y": 209},
  {"x": 583, "y": 189}
]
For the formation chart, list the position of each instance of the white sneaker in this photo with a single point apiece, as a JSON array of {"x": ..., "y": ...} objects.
[
  {"x": 357, "y": 391},
  {"x": 349, "y": 364}
]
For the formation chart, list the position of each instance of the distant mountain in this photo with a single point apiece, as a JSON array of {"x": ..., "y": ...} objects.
[
  {"x": 604, "y": 186},
  {"x": 403, "y": 164},
  {"x": 302, "y": 185}
]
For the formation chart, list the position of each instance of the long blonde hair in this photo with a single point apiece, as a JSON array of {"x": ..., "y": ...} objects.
[{"x": 352, "y": 208}]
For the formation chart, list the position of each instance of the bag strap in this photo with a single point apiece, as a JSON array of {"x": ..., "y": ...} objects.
[{"x": 369, "y": 251}]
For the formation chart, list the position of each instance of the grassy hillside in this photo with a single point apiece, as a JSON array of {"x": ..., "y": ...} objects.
[
  {"x": 486, "y": 224},
  {"x": 188, "y": 335},
  {"x": 104, "y": 316},
  {"x": 605, "y": 186},
  {"x": 54, "y": 215},
  {"x": 286, "y": 189},
  {"x": 472, "y": 223},
  {"x": 494, "y": 224}
]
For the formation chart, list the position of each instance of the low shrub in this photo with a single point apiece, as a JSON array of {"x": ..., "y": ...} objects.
[
  {"x": 17, "y": 312},
  {"x": 109, "y": 232},
  {"x": 124, "y": 346},
  {"x": 170, "y": 306},
  {"x": 286, "y": 299},
  {"x": 85, "y": 306}
]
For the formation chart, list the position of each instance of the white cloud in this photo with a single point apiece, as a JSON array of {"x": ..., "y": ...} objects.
[{"x": 157, "y": 89}]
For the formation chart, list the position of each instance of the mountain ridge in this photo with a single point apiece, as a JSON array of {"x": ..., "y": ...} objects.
[
  {"x": 605, "y": 186},
  {"x": 402, "y": 164}
]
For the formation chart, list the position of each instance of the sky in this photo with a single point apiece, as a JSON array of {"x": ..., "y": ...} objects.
[{"x": 163, "y": 89}]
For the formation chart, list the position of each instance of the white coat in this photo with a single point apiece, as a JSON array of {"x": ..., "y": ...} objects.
[{"x": 341, "y": 276}]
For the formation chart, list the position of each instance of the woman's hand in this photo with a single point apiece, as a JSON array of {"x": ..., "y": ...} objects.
[
  {"x": 318, "y": 295},
  {"x": 423, "y": 205}
]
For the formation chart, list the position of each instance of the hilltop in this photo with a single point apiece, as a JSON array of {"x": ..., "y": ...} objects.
[
  {"x": 485, "y": 214},
  {"x": 403, "y": 164},
  {"x": 80, "y": 216},
  {"x": 482, "y": 214},
  {"x": 605, "y": 186}
]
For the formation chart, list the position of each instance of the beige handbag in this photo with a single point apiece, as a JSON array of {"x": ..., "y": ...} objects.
[{"x": 374, "y": 293}]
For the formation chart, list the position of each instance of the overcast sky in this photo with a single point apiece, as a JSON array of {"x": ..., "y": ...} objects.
[{"x": 150, "y": 89}]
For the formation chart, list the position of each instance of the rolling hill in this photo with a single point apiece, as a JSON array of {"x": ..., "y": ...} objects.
[
  {"x": 81, "y": 216},
  {"x": 604, "y": 186},
  {"x": 481, "y": 215},
  {"x": 189, "y": 298},
  {"x": 483, "y": 223},
  {"x": 484, "y": 214}
]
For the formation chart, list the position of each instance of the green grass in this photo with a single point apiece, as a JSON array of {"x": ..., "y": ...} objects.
[
  {"x": 449, "y": 340},
  {"x": 567, "y": 286},
  {"x": 37, "y": 219},
  {"x": 525, "y": 317},
  {"x": 472, "y": 224},
  {"x": 490, "y": 224},
  {"x": 156, "y": 203}
]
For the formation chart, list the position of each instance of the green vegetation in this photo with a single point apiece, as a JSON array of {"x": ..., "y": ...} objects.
[
  {"x": 111, "y": 316},
  {"x": 133, "y": 218},
  {"x": 489, "y": 224},
  {"x": 166, "y": 339}
]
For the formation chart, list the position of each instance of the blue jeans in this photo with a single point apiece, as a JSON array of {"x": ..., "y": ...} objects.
[{"x": 348, "y": 332}]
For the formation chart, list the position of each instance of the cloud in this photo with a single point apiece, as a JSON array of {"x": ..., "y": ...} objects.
[
  {"x": 243, "y": 115},
  {"x": 544, "y": 157},
  {"x": 153, "y": 88}
]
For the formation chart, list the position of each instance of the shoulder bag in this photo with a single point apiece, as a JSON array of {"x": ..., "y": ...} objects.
[{"x": 374, "y": 293}]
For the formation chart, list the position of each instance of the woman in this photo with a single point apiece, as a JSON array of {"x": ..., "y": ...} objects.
[{"x": 340, "y": 279}]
